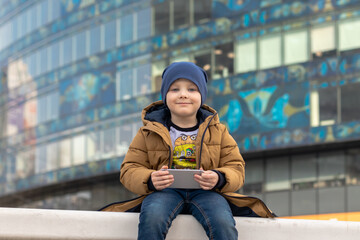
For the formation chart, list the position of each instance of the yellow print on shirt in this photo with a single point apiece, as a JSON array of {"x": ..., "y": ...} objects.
[{"x": 184, "y": 152}]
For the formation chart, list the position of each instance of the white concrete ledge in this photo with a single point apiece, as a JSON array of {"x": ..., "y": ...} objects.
[{"x": 38, "y": 224}]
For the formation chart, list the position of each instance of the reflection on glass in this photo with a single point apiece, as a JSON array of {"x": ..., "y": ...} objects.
[
  {"x": 93, "y": 146},
  {"x": 109, "y": 143},
  {"x": 125, "y": 135}
]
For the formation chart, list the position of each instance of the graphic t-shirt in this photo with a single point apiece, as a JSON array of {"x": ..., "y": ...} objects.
[{"x": 183, "y": 140}]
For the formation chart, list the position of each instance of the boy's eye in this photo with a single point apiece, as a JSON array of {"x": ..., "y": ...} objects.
[
  {"x": 174, "y": 89},
  {"x": 192, "y": 89}
]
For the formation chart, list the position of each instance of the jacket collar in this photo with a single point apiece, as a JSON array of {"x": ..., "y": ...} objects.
[{"x": 158, "y": 112}]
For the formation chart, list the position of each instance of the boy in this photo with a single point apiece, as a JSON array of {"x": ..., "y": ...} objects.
[{"x": 182, "y": 132}]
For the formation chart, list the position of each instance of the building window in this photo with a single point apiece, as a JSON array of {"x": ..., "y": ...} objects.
[
  {"x": 110, "y": 34},
  {"x": 95, "y": 40},
  {"x": 65, "y": 153},
  {"x": 331, "y": 170},
  {"x": 254, "y": 178},
  {"x": 79, "y": 149},
  {"x": 126, "y": 29},
  {"x": 246, "y": 56},
  {"x": 52, "y": 156},
  {"x": 125, "y": 79},
  {"x": 296, "y": 47},
  {"x": 109, "y": 139},
  {"x": 181, "y": 14},
  {"x": 202, "y": 11},
  {"x": 224, "y": 60},
  {"x": 124, "y": 137},
  {"x": 303, "y": 172},
  {"x": 143, "y": 76},
  {"x": 203, "y": 60},
  {"x": 40, "y": 164},
  {"x": 68, "y": 51},
  {"x": 277, "y": 174},
  {"x": 157, "y": 69},
  {"x": 93, "y": 146},
  {"x": 303, "y": 202},
  {"x": 323, "y": 41},
  {"x": 81, "y": 43},
  {"x": 162, "y": 18},
  {"x": 349, "y": 96},
  {"x": 270, "y": 51},
  {"x": 349, "y": 35},
  {"x": 143, "y": 23}
]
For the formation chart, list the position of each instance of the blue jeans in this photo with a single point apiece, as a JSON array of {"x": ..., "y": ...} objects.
[{"x": 160, "y": 208}]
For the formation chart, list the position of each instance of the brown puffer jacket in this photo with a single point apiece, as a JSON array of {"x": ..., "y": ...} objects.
[{"x": 216, "y": 150}]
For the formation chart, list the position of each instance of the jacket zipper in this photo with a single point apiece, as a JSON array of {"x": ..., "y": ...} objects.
[{"x": 202, "y": 140}]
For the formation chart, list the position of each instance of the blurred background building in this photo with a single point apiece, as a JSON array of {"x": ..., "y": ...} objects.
[{"x": 284, "y": 77}]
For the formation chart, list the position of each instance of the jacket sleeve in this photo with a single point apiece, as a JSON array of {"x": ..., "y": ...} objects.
[
  {"x": 231, "y": 163},
  {"x": 135, "y": 170}
]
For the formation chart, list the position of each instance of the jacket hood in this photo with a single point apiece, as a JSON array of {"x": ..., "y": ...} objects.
[{"x": 158, "y": 112}]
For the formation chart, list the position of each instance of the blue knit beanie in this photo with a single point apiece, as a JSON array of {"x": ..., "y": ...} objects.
[{"x": 187, "y": 70}]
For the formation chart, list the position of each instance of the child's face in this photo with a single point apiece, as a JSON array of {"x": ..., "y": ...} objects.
[{"x": 183, "y": 99}]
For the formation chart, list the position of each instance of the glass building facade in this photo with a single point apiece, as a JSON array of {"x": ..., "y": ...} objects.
[{"x": 284, "y": 78}]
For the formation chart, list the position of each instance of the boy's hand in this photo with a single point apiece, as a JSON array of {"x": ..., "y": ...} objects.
[
  {"x": 162, "y": 179},
  {"x": 207, "y": 179}
]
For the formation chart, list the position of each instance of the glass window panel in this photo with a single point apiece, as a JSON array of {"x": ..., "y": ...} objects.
[
  {"x": 65, "y": 153},
  {"x": 40, "y": 165},
  {"x": 322, "y": 39},
  {"x": 55, "y": 9},
  {"x": 277, "y": 174},
  {"x": 53, "y": 107},
  {"x": 43, "y": 60},
  {"x": 79, "y": 149},
  {"x": 126, "y": 84},
  {"x": 55, "y": 55},
  {"x": 162, "y": 18},
  {"x": 95, "y": 40},
  {"x": 24, "y": 23},
  {"x": 125, "y": 137},
  {"x": 156, "y": 71},
  {"x": 254, "y": 177},
  {"x": 42, "y": 109},
  {"x": 296, "y": 47},
  {"x": 202, "y": 10},
  {"x": 245, "y": 56},
  {"x": 203, "y": 60},
  {"x": 349, "y": 96},
  {"x": 332, "y": 169},
  {"x": 143, "y": 77},
  {"x": 331, "y": 200},
  {"x": 80, "y": 41},
  {"x": 303, "y": 202},
  {"x": 279, "y": 203},
  {"x": 349, "y": 33},
  {"x": 144, "y": 23},
  {"x": 126, "y": 29},
  {"x": 44, "y": 12},
  {"x": 109, "y": 143},
  {"x": 68, "y": 51},
  {"x": 20, "y": 165},
  {"x": 181, "y": 13},
  {"x": 224, "y": 60},
  {"x": 52, "y": 156},
  {"x": 270, "y": 51},
  {"x": 328, "y": 105},
  {"x": 353, "y": 196},
  {"x": 93, "y": 146},
  {"x": 303, "y": 171},
  {"x": 110, "y": 34},
  {"x": 353, "y": 167}
]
